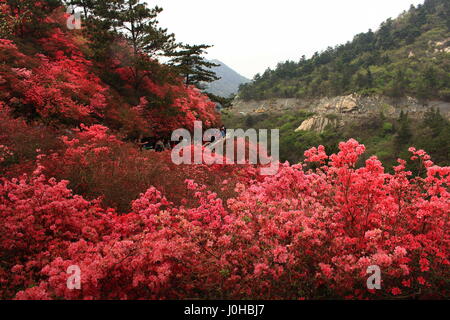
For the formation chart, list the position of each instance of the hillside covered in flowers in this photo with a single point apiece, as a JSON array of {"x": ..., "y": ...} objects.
[{"x": 77, "y": 189}]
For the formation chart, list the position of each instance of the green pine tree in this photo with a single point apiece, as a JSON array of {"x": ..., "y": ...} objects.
[
  {"x": 137, "y": 24},
  {"x": 404, "y": 134},
  {"x": 190, "y": 63}
]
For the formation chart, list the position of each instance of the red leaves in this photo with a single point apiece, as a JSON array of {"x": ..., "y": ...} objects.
[
  {"x": 321, "y": 231},
  {"x": 189, "y": 105},
  {"x": 61, "y": 87},
  {"x": 40, "y": 218},
  {"x": 64, "y": 90},
  {"x": 228, "y": 234},
  {"x": 51, "y": 79}
]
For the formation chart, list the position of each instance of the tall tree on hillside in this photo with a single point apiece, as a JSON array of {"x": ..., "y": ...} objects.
[
  {"x": 96, "y": 27},
  {"x": 190, "y": 63},
  {"x": 398, "y": 85},
  {"x": 363, "y": 79},
  {"x": 137, "y": 24},
  {"x": 87, "y": 5},
  {"x": 404, "y": 134},
  {"x": 385, "y": 38},
  {"x": 427, "y": 84},
  {"x": 430, "y": 79},
  {"x": 435, "y": 121}
]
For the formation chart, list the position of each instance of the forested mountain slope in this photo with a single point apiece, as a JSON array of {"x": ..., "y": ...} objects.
[
  {"x": 406, "y": 56},
  {"x": 229, "y": 81}
]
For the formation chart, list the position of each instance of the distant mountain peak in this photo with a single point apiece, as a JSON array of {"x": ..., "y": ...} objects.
[{"x": 229, "y": 82}]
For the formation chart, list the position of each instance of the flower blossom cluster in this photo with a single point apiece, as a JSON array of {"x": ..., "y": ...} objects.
[{"x": 299, "y": 234}]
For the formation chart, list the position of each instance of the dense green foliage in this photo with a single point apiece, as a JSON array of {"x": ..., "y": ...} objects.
[
  {"x": 224, "y": 102},
  {"x": 406, "y": 56},
  {"x": 133, "y": 21},
  {"x": 388, "y": 139},
  {"x": 190, "y": 63}
]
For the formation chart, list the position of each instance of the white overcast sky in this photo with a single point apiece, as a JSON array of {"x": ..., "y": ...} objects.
[{"x": 252, "y": 35}]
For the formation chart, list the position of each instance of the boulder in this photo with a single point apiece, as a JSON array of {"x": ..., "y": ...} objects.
[
  {"x": 348, "y": 104},
  {"x": 316, "y": 124}
]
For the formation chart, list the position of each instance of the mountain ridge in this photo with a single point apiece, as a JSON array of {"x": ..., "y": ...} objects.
[
  {"x": 229, "y": 81},
  {"x": 406, "y": 56}
]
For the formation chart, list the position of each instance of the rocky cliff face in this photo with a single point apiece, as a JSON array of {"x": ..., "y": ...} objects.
[
  {"x": 317, "y": 124},
  {"x": 337, "y": 111}
]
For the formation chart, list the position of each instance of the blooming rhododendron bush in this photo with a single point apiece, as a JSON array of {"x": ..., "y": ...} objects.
[
  {"x": 299, "y": 234},
  {"x": 58, "y": 89},
  {"x": 182, "y": 105},
  {"x": 60, "y": 86},
  {"x": 76, "y": 190},
  {"x": 22, "y": 142},
  {"x": 98, "y": 164},
  {"x": 40, "y": 218}
]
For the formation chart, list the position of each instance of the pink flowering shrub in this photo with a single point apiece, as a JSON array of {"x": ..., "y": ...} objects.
[
  {"x": 5, "y": 153},
  {"x": 183, "y": 105},
  {"x": 299, "y": 234},
  {"x": 75, "y": 191},
  {"x": 21, "y": 142},
  {"x": 40, "y": 218},
  {"x": 62, "y": 88},
  {"x": 98, "y": 164}
]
